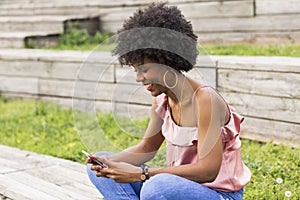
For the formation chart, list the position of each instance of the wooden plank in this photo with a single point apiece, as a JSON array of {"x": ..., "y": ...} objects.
[
  {"x": 206, "y": 76},
  {"x": 43, "y": 185},
  {"x": 131, "y": 93},
  {"x": 72, "y": 183},
  {"x": 99, "y": 72},
  {"x": 242, "y": 8},
  {"x": 61, "y": 101},
  {"x": 52, "y": 56},
  {"x": 274, "y": 84},
  {"x": 9, "y": 165},
  {"x": 90, "y": 71},
  {"x": 63, "y": 88},
  {"x": 267, "y": 7},
  {"x": 16, "y": 95},
  {"x": 16, "y": 190},
  {"x": 259, "y": 63},
  {"x": 111, "y": 26},
  {"x": 64, "y": 177},
  {"x": 190, "y": 10},
  {"x": 127, "y": 93},
  {"x": 33, "y": 159},
  {"x": 117, "y": 14},
  {"x": 50, "y": 27},
  {"x": 131, "y": 111},
  {"x": 23, "y": 68},
  {"x": 259, "y": 38},
  {"x": 272, "y": 108},
  {"x": 258, "y": 23},
  {"x": 125, "y": 74},
  {"x": 20, "y": 85},
  {"x": 267, "y": 130}
]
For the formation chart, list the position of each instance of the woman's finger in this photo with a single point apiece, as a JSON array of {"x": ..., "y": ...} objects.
[{"x": 96, "y": 167}]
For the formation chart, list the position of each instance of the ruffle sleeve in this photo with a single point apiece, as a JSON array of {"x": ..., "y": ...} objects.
[
  {"x": 230, "y": 132},
  {"x": 162, "y": 103}
]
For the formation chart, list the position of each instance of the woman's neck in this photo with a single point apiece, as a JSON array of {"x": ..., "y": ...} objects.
[{"x": 182, "y": 92}]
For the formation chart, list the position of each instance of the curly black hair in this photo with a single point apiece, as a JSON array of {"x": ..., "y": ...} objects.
[{"x": 160, "y": 33}]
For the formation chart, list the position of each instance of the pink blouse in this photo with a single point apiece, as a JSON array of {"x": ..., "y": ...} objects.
[{"x": 181, "y": 144}]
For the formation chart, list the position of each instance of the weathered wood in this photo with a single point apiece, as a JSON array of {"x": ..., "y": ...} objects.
[
  {"x": 35, "y": 179},
  {"x": 131, "y": 111},
  {"x": 259, "y": 63},
  {"x": 258, "y": 23},
  {"x": 43, "y": 185},
  {"x": 28, "y": 23},
  {"x": 126, "y": 93},
  {"x": 32, "y": 159},
  {"x": 206, "y": 76},
  {"x": 40, "y": 66},
  {"x": 274, "y": 131},
  {"x": 63, "y": 176},
  {"x": 131, "y": 93},
  {"x": 21, "y": 85},
  {"x": 253, "y": 37},
  {"x": 271, "y": 108},
  {"x": 190, "y": 10},
  {"x": 112, "y": 26},
  {"x": 274, "y": 84},
  {"x": 217, "y": 9},
  {"x": 15, "y": 190},
  {"x": 267, "y": 7}
]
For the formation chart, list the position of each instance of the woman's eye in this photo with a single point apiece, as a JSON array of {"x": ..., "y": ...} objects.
[{"x": 144, "y": 70}]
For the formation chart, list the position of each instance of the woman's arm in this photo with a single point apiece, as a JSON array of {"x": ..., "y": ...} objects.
[{"x": 147, "y": 147}]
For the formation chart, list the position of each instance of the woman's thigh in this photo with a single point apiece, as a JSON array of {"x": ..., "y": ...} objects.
[{"x": 168, "y": 186}]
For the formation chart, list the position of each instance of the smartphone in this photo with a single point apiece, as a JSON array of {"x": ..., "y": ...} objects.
[{"x": 97, "y": 162}]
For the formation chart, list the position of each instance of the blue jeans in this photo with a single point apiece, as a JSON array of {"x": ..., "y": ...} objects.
[{"x": 158, "y": 187}]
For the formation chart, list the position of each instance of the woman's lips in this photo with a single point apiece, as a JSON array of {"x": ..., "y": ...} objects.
[{"x": 149, "y": 87}]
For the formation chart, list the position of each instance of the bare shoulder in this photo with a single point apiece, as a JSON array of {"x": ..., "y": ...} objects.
[{"x": 210, "y": 101}]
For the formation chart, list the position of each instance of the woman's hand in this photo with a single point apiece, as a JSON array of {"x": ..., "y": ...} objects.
[{"x": 121, "y": 172}]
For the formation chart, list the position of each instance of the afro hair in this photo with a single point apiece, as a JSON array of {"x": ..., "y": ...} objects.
[{"x": 160, "y": 33}]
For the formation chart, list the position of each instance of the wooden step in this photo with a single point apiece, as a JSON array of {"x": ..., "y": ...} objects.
[
  {"x": 49, "y": 8},
  {"x": 28, "y": 175},
  {"x": 17, "y": 39},
  {"x": 42, "y": 23}
]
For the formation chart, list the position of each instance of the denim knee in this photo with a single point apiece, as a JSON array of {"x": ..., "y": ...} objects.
[{"x": 156, "y": 187}]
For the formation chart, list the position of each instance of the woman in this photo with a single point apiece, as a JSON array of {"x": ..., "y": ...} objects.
[{"x": 200, "y": 129}]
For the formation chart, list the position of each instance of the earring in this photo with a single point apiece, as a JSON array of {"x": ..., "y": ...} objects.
[{"x": 165, "y": 82}]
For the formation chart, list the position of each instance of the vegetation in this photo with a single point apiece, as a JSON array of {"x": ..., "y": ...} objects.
[
  {"x": 49, "y": 129},
  {"x": 254, "y": 50},
  {"x": 79, "y": 39}
]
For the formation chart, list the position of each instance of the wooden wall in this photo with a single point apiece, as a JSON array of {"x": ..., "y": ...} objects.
[
  {"x": 214, "y": 21},
  {"x": 266, "y": 90},
  {"x": 263, "y": 89},
  {"x": 225, "y": 21}
]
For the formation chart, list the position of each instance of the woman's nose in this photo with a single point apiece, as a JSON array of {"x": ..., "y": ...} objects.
[{"x": 139, "y": 77}]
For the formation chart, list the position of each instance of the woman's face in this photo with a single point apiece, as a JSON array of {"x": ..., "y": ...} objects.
[{"x": 151, "y": 76}]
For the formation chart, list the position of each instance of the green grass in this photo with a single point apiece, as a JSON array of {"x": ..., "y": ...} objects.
[
  {"x": 79, "y": 39},
  {"x": 49, "y": 129},
  {"x": 254, "y": 50}
]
